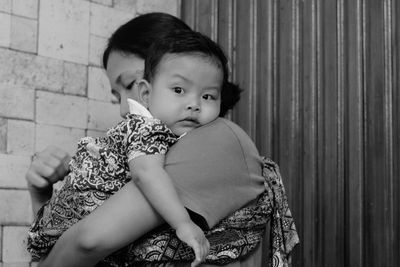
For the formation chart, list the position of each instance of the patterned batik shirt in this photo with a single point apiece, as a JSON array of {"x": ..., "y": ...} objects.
[{"x": 102, "y": 163}]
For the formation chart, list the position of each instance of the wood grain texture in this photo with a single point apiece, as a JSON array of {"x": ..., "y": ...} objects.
[{"x": 322, "y": 99}]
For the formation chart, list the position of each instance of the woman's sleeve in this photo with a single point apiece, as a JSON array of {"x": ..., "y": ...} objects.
[{"x": 147, "y": 136}]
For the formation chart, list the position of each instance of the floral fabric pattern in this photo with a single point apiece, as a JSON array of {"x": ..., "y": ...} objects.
[{"x": 98, "y": 169}]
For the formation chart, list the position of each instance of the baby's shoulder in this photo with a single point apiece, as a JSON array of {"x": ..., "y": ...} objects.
[{"x": 143, "y": 122}]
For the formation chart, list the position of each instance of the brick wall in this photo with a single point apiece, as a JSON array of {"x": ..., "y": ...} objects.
[{"x": 52, "y": 91}]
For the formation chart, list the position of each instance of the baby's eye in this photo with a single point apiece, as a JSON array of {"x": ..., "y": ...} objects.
[
  {"x": 209, "y": 97},
  {"x": 178, "y": 90}
]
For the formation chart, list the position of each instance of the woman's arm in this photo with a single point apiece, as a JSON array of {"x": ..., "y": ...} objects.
[{"x": 150, "y": 176}]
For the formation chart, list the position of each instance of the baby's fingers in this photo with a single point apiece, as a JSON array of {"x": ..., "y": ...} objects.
[
  {"x": 198, "y": 255},
  {"x": 195, "y": 263},
  {"x": 201, "y": 251}
]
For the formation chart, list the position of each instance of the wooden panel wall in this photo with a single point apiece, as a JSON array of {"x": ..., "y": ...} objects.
[{"x": 322, "y": 99}]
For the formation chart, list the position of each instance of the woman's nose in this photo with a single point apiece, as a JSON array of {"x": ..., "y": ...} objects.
[{"x": 123, "y": 109}]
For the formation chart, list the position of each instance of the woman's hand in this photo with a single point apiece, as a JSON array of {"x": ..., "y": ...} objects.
[
  {"x": 47, "y": 168},
  {"x": 192, "y": 235}
]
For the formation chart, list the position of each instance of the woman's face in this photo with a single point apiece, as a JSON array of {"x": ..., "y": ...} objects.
[{"x": 123, "y": 70}]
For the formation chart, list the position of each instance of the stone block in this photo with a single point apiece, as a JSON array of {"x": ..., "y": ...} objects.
[
  {"x": 24, "y": 34},
  {"x": 14, "y": 245},
  {"x": 15, "y": 208},
  {"x": 103, "y": 115},
  {"x": 75, "y": 79},
  {"x": 94, "y": 133},
  {"x": 30, "y": 70},
  {"x": 105, "y": 20},
  {"x": 1, "y": 239},
  {"x": 64, "y": 28},
  {"x": 16, "y": 102},
  {"x": 99, "y": 86},
  {"x": 125, "y": 4},
  {"x": 25, "y": 8},
  {"x": 5, "y": 29},
  {"x": 97, "y": 46},
  {"x": 166, "y": 6},
  {"x": 104, "y": 2},
  {"x": 62, "y": 110},
  {"x": 5, "y": 56},
  {"x": 5, "y": 6},
  {"x": 3, "y": 135},
  {"x": 65, "y": 138},
  {"x": 13, "y": 170},
  {"x": 20, "y": 137},
  {"x": 16, "y": 264},
  {"x": 47, "y": 73}
]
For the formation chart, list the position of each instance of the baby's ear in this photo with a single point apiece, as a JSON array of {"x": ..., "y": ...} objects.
[{"x": 144, "y": 90}]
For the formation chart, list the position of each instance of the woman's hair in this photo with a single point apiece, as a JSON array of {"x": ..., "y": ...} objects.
[
  {"x": 136, "y": 36},
  {"x": 188, "y": 42}
]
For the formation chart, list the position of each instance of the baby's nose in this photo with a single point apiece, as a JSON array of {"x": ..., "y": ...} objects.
[{"x": 194, "y": 105}]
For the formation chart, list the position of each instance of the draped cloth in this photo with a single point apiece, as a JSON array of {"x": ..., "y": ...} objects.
[{"x": 232, "y": 239}]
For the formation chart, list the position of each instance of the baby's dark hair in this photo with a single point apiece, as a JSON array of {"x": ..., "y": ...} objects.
[{"x": 193, "y": 43}]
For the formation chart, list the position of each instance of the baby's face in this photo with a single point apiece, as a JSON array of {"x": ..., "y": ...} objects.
[{"x": 186, "y": 92}]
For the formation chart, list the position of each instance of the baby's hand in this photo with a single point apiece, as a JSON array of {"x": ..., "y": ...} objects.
[{"x": 192, "y": 235}]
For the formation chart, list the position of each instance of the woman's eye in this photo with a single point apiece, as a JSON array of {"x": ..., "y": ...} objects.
[
  {"x": 129, "y": 86},
  {"x": 116, "y": 97},
  {"x": 178, "y": 90}
]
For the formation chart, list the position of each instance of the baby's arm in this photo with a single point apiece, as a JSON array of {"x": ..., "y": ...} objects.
[{"x": 150, "y": 176}]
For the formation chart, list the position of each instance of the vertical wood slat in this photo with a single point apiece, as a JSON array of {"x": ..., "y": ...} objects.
[
  {"x": 376, "y": 188},
  {"x": 355, "y": 141},
  {"x": 396, "y": 127},
  {"x": 264, "y": 76},
  {"x": 322, "y": 99},
  {"x": 287, "y": 100},
  {"x": 328, "y": 145},
  {"x": 319, "y": 136},
  {"x": 307, "y": 227},
  {"x": 340, "y": 238},
  {"x": 188, "y": 12},
  {"x": 388, "y": 130},
  {"x": 244, "y": 61}
]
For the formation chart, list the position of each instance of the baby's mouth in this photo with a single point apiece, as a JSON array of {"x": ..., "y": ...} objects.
[{"x": 190, "y": 121}]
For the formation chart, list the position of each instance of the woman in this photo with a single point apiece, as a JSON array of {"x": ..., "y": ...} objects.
[{"x": 197, "y": 166}]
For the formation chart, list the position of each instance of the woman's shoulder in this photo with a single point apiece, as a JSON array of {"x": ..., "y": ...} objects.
[
  {"x": 223, "y": 126},
  {"x": 220, "y": 137},
  {"x": 228, "y": 130}
]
